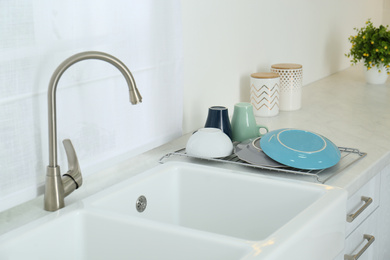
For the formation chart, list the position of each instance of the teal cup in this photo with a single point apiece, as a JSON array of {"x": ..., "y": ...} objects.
[{"x": 244, "y": 125}]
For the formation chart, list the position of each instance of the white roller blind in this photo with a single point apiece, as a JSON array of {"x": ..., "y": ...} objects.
[{"x": 93, "y": 108}]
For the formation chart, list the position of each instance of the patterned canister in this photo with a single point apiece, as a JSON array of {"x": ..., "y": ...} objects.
[
  {"x": 290, "y": 88},
  {"x": 265, "y": 94}
]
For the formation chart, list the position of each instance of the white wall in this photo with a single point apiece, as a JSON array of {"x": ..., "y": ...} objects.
[
  {"x": 93, "y": 108},
  {"x": 386, "y": 12},
  {"x": 227, "y": 40}
]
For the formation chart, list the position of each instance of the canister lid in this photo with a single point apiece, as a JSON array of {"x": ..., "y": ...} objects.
[
  {"x": 287, "y": 66},
  {"x": 265, "y": 75}
]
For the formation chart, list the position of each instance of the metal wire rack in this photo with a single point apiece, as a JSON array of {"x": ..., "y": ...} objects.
[{"x": 349, "y": 156}]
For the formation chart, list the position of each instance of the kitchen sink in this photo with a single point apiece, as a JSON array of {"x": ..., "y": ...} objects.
[
  {"x": 84, "y": 234},
  {"x": 268, "y": 211},
  {"x": 223, "y": 202},
  {"x": 188, "y": 211}
]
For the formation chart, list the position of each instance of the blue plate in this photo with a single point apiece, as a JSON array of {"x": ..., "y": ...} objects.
[{"x": 300, "y": 149}]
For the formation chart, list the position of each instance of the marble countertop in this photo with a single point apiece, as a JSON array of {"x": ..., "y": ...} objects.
[{"x": 341, "y": 107}]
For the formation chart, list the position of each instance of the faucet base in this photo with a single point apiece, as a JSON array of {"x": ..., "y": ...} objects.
[{"x": 54, "y": 190}]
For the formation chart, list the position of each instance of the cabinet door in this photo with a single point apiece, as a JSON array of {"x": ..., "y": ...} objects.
[{"x": 384, "y": 216}]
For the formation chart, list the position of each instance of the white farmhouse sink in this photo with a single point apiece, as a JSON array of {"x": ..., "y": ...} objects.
[
  {"x": 192, "y": 212},
  {"x": 274, "y": 214},
  {"x": 87, "y": 235}
]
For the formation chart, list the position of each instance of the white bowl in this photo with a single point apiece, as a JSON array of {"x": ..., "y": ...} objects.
[{"x": 209, "y": 143}]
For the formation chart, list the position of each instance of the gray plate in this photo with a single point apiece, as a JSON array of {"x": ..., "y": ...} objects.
[{"x": 250, "y": 152}]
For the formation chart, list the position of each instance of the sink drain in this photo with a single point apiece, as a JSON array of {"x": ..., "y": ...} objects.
[{"x": 141, "y": 203}]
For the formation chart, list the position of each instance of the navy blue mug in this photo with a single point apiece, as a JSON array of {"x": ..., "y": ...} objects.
[{"x": 218, "y": 117}]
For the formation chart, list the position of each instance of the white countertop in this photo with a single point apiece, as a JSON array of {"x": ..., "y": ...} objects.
[{"x": 341, "y": 107}]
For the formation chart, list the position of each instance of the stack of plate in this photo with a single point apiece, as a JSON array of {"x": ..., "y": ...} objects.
[{"x": 290, "y": 147}]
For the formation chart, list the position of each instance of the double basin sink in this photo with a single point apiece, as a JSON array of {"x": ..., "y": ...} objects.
[{"x": 188, "y": 211}]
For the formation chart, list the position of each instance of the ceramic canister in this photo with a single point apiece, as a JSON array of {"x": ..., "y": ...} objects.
[
  {"x": 290, "y": 88},
  {"x": 265, "y": 93}
]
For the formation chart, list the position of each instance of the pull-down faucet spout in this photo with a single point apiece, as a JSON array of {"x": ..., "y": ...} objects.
[{"x": 57, "y": 187}]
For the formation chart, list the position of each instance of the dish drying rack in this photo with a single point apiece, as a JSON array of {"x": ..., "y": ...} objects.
[{"x": 349, "y": 156}]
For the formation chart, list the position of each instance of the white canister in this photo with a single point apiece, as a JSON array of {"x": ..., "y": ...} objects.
[
  {"x": 290, "y": 88},
  {"x": 265, "y": 94}
]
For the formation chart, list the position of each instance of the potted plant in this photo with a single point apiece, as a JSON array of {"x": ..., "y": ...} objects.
[{"x": 372, "y": 46}]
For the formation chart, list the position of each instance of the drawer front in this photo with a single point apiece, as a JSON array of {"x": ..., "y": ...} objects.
[
  {"x": 362, "y": 204},
  {"x": 362, "y": 242}
]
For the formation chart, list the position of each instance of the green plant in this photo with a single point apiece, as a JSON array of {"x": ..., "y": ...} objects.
[{"x": 372, "y": 45}]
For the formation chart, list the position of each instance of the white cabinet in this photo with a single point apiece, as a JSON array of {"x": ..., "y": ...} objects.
[
  {"x": 370, "y": 230},
  {"x": 362, "y": 223},
  {"x": 363, "y": 240}
]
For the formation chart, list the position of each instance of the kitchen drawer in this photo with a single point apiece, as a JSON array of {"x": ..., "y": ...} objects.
[
  {"x": 366, "y": 199},
  {"x": 360, "y": 238}
]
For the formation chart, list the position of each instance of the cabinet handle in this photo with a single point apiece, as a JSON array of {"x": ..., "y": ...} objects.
[
  {"x": 370, "y": 240},
  {"x": 367, "y": 202}
]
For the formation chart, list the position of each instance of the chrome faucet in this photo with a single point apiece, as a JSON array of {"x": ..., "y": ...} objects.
[{"x": 57, "y": 187}]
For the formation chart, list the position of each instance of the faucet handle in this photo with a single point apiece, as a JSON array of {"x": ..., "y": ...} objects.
[{"x": 72, "y": 179}]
